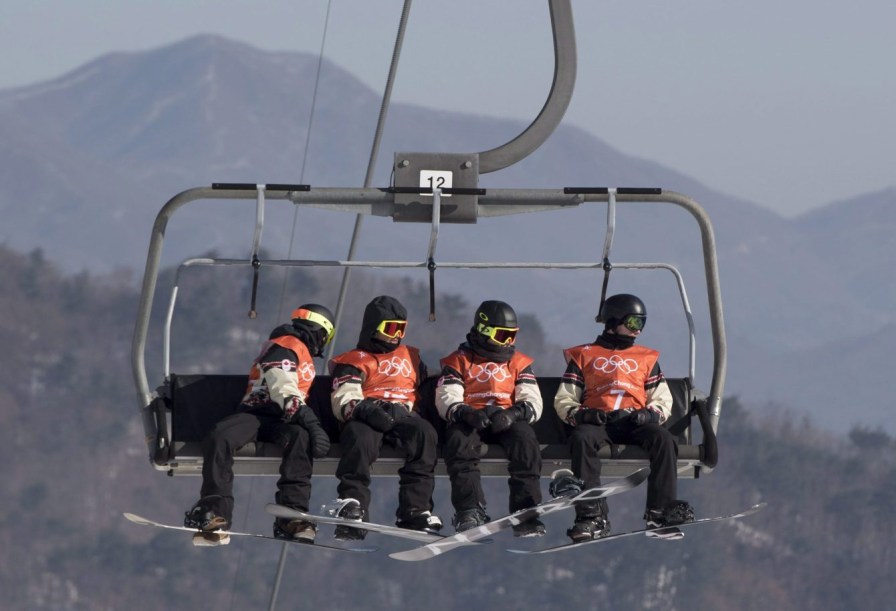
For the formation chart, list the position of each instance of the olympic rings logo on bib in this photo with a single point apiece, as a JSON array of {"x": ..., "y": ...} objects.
[
  {"x": 614, "y": 363},
  {"x": 489, "y": 371},
  {"x": 306, "y": 372},
  {"x": 395, "y": 367}
]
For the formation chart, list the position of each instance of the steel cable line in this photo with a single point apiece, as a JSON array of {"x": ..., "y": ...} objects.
[{"x": 384, "y": 107}]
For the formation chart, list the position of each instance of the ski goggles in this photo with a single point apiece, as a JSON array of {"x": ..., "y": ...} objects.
[
  {"x": 634, "y": 322},
  {"x": 316, "y": 318},
  {"x": 392, "y": 328},
  {"x": 503, "y": 336}
]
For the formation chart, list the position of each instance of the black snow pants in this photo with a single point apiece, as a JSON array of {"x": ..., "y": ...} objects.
[
  {"x": 235, "y": 431},
  {"x": 662, "y": 451},
  {"x": 463, "y": 445},
  {"x": 415, "y": 437}
]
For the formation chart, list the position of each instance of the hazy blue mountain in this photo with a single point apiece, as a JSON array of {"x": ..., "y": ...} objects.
[
  {"x": 91, "y": 156},
  {"x": 854, "y": 239}
]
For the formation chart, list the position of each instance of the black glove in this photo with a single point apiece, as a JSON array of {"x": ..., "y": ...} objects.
[
  {"x": 474, "y": 418},
  {"x": 644, "y": 416},
  {"x": 296, "y": 411},
  {"x": 398, "y": 411},
  {"x": 372, "y": 413},
  {"x": 586, "y": 415},
  {"x": 305, "y": 417},
  {"x": 618, "y": 415},
  {"x": 503, "y": 419},
  {"x": 290, "y": 408},
  {"x": 525, "y": 409},
  {"x": 492, "y": 410}
]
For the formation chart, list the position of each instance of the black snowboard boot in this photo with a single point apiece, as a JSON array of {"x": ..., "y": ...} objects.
[
  {"x": 351, "y": 511},
  {"x": 294, "y": 529},
  {"x": 530, "y": 528},
  {"x": 662, "y": 522},
  {"x": 465, "y": 519},
  {"x": 564, "y": 483},
  {"x": 203, "y": 517},
  {"x": 676, "y": 512},
  {"x": 419, "y": 520},
  {"x": 591, "y": 521},
  {"x": 585, "y": 529}
]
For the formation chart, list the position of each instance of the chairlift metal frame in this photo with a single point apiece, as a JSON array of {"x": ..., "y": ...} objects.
[{"x": 379, "y": 202}]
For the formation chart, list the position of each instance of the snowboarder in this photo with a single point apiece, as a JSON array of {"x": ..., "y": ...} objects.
[
  {"x": 274, "y": 410},
  {"x": 488, "y": 391},
  {"x": 374, "y": 392},
  {"x": 614, "y": 392}
]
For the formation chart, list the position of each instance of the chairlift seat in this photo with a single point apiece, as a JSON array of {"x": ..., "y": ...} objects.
[{"x": 195, "y": 402}]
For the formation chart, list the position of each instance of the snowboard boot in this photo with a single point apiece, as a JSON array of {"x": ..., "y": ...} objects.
[
  {"x": 564, "y": 483},
  {"x": 294, "y": 529},
  {"x": 420, "y": 520},
  {"x": 465, "y": 519},
  {"x": 678, "y": 512},
  {"x": 662, "y": 522},
  {"x": 204, "y": 519},
  {"x": 351, "y": 511},
  {"x": 591, "y": 522},
  {"x": 585, "y": 529},
  {"x": 530, "y": 528}
]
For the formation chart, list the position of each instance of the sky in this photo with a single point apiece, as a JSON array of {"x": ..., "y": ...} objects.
[{"x": 786, "y": 104}]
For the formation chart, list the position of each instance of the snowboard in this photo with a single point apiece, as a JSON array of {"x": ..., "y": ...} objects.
[
  {"x": 473, "y": 535},
  {"x": 145, "y": 522},
  {"x": 646, "y": 531}
]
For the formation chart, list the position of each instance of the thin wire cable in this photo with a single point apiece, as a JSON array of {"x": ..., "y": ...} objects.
[
  {"x": 239, "y": 561},
  {"x": 384, "y": 108},
  {"x": 281, "y": 564},
  {"x": 371, "y": 164},
  {"x": 295, "y": 212}
]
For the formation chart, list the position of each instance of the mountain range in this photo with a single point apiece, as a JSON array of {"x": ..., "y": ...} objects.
[{"x": 91, "y": 156}]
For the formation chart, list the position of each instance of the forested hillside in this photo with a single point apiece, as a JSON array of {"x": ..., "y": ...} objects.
[{"x": 75, "y": 459}]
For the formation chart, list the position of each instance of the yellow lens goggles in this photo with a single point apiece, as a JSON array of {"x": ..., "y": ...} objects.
[
  {"x": 392, "y": 328},
  {"x": 503, "y": 336},
  {"x": 319, "y": 319}
]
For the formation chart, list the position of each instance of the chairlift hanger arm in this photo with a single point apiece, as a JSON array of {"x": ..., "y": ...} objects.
[{"x": 558, "y": 100}]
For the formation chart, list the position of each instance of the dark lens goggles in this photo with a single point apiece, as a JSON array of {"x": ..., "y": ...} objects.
[
  {"x": 392, "y": 328},
  {"x": 634, "y": 322},
  {"x": 502, "y": 336}
]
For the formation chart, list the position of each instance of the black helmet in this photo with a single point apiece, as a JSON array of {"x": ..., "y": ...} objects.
[
  {"x": 492, "y": 315},
  {"x": 315, "y": 317},
  {"x": 617, "y": 307},
  {"x": 495, "y": 314}
]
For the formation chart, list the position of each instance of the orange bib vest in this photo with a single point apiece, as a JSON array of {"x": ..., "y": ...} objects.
[
  {"x": 390, "y": 377},
  {"x": 305, "y": 371},
  {"x": 487, "y": 382},
  {"x": 613, "y": 379}
]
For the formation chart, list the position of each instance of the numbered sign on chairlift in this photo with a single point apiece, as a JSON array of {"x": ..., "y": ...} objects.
[{"x": 435, "y": 179}]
